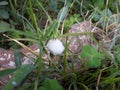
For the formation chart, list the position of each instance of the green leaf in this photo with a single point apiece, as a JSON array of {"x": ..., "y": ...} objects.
[
  {"x": 89, "y": 51},
  {"x": 93, "y": 62},
  {"x": 3, "y": 3},
  {"x": 86, "y": 51},
  {"x": 4, "y": 14},
  {"x": 50, "y": 84},
  {"x": 53, "y": 5},
  {"x": 62, "y": 14},
  {"x": 6, "y": 72},
  {"x": 99, "y": 3},
  {"x": 96, "y": 17},
  {"x": 4, "y": 26},
  {"x": 17, "y": 58},
  {"x": 92, "y": 55},
  {"x": 18, "y": 77}
]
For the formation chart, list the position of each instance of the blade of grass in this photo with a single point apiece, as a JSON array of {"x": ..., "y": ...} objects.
[
  {"x": 40, "y": 6},
  {"x": 7, "y": 71},
  {"x": 22, "y": 45},
  {"x": 18, "y": 77},
  {"x": 17, "y": 58}
]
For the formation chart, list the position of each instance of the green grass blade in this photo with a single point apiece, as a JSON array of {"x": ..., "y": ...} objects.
[
  {"x": 40, "y": 6},
  {"x": 18, "y": 77},
  {"x": 6, "y": 72},
  {"x": 17, "y": 58}
]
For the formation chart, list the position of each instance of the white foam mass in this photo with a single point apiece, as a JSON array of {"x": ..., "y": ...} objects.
[{"x": 55, "y": 46}]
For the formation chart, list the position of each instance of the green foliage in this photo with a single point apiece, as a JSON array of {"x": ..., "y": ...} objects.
[
  {"x": 53, "y": 5},
  {"x": 92, "y": 55},
  {"x": 17, "y": 58},
  {"x": 4, "y": 26},
  {"x": 100, "y": 4},
  {"x": 18, "y": 77},
  {"x": 111, "y": 77},
  {"x": 103, "y": 16},
  {"x": 7, "y": 71},
  {"x": 71, "y": 20},
  {"x": 51, "y": 30},
  {"x": 50, "y": 84},
  {"x": 3, "y": 12},
  {"x": 62, "y": 14},
  {"x": 117, "y": 54}
]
